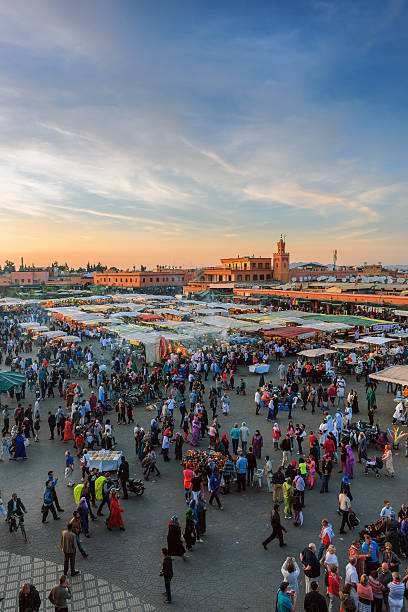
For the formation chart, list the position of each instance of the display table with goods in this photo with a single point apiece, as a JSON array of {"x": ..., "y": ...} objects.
[
  {"x": 199, "y": 459},
  {"x": 104, "y": 460},
  {"x": 259, "y": 368}
]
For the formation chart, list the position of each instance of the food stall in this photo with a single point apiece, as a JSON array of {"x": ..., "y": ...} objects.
[
  {"x": 104, "y": 460},
  {"x": 198, "y": 459}
]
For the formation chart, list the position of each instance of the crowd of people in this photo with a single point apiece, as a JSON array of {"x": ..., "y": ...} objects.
[{"x": 190, "y": 397}]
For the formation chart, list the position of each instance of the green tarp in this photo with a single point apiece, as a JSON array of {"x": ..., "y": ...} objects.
[
  {"x": 8, "y": 380},
  {"x": 348, "y": 319}
]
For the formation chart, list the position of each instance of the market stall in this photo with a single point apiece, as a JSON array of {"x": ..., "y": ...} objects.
[
  {"x": 395, "y": 374},
  {"x": 259, "y": 368},
  {"x": 315, "y": 353},
  {"x": 378, "y": 340},
  {"x": 197, "y": 459},
  {"x": 104, "y": 460}
]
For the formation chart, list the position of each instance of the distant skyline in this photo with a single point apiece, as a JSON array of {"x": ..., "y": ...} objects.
[{"x": 154, "y": 132}]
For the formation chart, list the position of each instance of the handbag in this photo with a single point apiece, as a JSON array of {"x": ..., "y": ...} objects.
[{"x": 26, "y": 442}]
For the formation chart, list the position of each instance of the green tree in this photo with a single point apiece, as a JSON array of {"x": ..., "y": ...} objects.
[{"x": 9, "y": 266}]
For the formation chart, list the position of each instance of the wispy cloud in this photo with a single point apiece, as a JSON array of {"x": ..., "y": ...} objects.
[{"x": 102, "y": 126}]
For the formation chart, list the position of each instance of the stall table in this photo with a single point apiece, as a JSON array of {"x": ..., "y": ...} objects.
[{"x": 104, "y": 460}]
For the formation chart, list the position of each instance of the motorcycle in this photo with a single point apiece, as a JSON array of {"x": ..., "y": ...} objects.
[{"x": 136, "y": 486}]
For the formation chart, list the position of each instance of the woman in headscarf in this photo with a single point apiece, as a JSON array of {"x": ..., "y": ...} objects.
[
  {"x": 68, "y": 435},
  {"x": 276, "y": 434},
  {"x": 178, "y": 448},
  {"x": 115, "y": 516},
  {"x": 257, "y": 443},
  {"x": 193, "y": 507},
  {"x": 225, "y": 442},
  {"x": 201, "y": 510},
  {"x": 349, "y": 461},
  {"x": 287, "y": 498},
  {"x": 387, "y": 458},
  {"x": 189, "y": 531},
  {"x": 83, "y": 510},
  {"x": 174, "y": 543},
  {"x": 20, "y": 451},
  {"x": 196, "y": 432}
]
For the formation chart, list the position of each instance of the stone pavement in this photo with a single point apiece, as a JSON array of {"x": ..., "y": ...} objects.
[
  {"x": 89, "y": 593},
  {"x": 230, "y": 570}
]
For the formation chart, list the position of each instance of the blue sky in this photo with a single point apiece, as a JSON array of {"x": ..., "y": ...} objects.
[{"x": 181, "y": 132}]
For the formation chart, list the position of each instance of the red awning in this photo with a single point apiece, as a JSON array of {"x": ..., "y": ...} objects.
[
  {"x": 291, "y": 332},
  {"x": 150, "y": 317}
]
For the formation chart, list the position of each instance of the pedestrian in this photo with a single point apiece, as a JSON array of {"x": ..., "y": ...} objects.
[
  {"x": 48, "y": 501},
  {"x": 167, "y": 573},
  {"x": 115, "y": 515},
  {"x": 69, "y": 468},
  {"x": 60, "y": 595},
  {"x": 277, "y": 528},
  {"x": 123, "y": 475},
  {"x": 257, "y": 443},
  {"x": 326, "y": 537},
  {"x": 51, "y": 424},
  {"x": 68, "y": 541},
  {"x": 290, "y": 572},
  {"x": 285, "y": 599},
  {"x": 83, "y": 510},
  {"x": 277, "y": 480},
  {"x": 28, "y": 599},
  {"x": 189, "y": 530},
  {"x": 76, "y": 529},
  {"x": 311, "y": 565},
  {"x": 251, "y": 458},
  {"x": 213, "y": 486},
  {"x": 327, "y": 466},
  {"x": 396, "y": 592},
  {"x": 244, "y": 436},
  {"x": 268, "y": 470},
  {"x": 285, "y": 447},
  {"x": 175, "y": 545},
  {"x": 235, "y": 437},
  {"x": 334, "y": 589},
  {"x": 377, "y": 589},
  {"x": 288, "y": 492},
  {"x": 314, "y": 601},
  {"x": 241, "y": 467},
  {"x": 387, "y": 458},
  {"x": 365, "y": 594},
  {"x": 352, "y": 578},
  {"x": 344, "y": 507}
]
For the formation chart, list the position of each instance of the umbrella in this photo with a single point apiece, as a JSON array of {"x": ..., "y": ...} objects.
[{"x": 8, "y": 380}]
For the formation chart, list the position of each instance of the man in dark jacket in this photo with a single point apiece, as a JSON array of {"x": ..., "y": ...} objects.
[
  {"x": 52, "y": 421},
  {"x": 286, "y": 449},
  {"x": 123, "y": 474},
  {"x": 167, "y": 573},
  {"x": 311, "y": 565},
  {"x": 277, "y": 528},
  {"x": 314, "y": 601},
  {"x": 327, "y": 466},
  {"x": 28, "y": 599},
  {"x": 15, "y": 507}
]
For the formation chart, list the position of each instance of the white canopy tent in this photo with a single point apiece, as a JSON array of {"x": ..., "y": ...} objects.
[
  {"x": 395, "y": 374},
  {"x": 318, "y": 352},
  {"x": 379, "y": 340},
  {"x": 53, "y": 334},
  {"x": 348, "y": 346}
]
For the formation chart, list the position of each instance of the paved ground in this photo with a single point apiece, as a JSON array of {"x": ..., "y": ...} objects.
[
  {"x": 230, "y": 570},
  {"x": 89, "y": 593}
]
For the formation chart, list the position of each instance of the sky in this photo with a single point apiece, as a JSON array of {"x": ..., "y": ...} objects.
[{"x": 155, "y": 132}]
